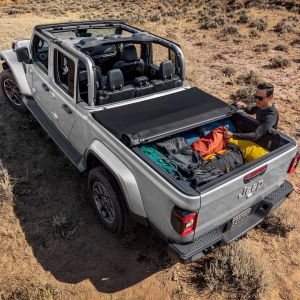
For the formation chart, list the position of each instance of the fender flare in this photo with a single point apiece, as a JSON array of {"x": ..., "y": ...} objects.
[
  {"x": 17, "y": 69},
  {"x": 122, "y": 174}
]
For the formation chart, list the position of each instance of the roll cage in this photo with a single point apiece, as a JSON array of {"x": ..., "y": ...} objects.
[{"x": 78, "y": 45}]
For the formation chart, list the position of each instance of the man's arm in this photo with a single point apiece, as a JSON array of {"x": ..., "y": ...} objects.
[
  {"x": 267, "y": 124},
  {"x": 251, "y": 110}
]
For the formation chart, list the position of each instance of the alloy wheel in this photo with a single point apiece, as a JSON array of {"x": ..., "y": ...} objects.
[
  {"x": 104, "y": 203},
  {"x": 12, "y": 92}
]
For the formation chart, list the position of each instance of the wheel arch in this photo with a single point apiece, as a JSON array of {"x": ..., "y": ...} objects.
[
  {"x": 17, "y": 69},
  {"x": 99, "y": 155}
]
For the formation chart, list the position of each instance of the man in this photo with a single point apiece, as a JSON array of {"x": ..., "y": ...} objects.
[{"x": 266, "y": 113}]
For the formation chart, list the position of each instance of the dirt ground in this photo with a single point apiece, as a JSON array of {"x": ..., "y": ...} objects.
[{"x": 51, "y": 244}]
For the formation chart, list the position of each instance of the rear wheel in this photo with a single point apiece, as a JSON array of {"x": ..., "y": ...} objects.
[
  {"x": 11, "y": 91},
  {"x": 108, "y": 201}
]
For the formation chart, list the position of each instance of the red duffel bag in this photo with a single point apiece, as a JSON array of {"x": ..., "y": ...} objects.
[{"x": 211, "y": 143}]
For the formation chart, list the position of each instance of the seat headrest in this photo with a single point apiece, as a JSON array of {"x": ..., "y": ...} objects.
[
  {"x": 166, "y": 69},
  {"x": 115, "y": 79},
  {"x": 83, "y": 76},
  {"x": 129, "y": 53}
]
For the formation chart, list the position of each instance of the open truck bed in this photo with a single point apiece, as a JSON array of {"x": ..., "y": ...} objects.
[{"x": 177, "y": 113}]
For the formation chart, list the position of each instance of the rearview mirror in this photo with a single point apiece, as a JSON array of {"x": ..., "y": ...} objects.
[{"x": 23, "y": 55}]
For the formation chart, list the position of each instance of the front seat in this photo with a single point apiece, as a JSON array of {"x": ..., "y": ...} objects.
[{"x": 129, "y": 63}]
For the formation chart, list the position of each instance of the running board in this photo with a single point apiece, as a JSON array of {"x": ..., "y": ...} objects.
[{"x": 60, "y": 140}]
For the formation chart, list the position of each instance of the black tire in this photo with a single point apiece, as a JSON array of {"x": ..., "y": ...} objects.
[
  {"x": 100, "y": 179},
  {"x": 10, "y": 90}
]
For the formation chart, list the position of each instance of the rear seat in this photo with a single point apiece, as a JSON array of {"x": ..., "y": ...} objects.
[
  {"x": 168, "y": 79},
  {"x": 115, "y": 89},
  {"x": 143, "y": 86}
]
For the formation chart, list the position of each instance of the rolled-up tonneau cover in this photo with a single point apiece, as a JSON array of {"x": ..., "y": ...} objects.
[{"x": 158, "y": 117}]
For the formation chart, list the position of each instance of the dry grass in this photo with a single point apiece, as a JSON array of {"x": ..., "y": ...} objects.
[
  {"x": 6, "y": 185},
  {"x": 238, "y": 270},
  {"x": 280, "y": 222},
  {"x": 20, "y": 289},
  {"x": 63, "y": 226},
  {"x": 278, "y": 62}
]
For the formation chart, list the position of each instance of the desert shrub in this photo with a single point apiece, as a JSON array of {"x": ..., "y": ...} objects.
[
  {"x": 220, "y": 20},
  {"x": 244, "y": 18},
  {"x": 286, "y": 25},
  {"x": 254, "y": 3},
  {"x": 244, "y": 94},
  {"x": 64, "y": 227},
  {"x": 261, "y": 48},
  {"x": 235, "y": 269},
  {"x": 280, "y": 222},
  {"x": 253, "y": 33},
  {"x": 229, "y": 30},
  {"x": 259, "y": 24},
  {"x": 281, "y": 47},
  {"x": 219, "y": 56},
  {"x": 278, "y": 62},
  {"x": 250, "y": 78},
  {"x": 208, "y": 25},
  {"x": 233, "y": 5},
  {"x": 6, "y": 186},
  {"x": 228, "y": 71},
  {"x": 22, "y": 289},
  {"x": 295, "y": 42},
  {"x": 154, "y": 18},
  {"x": 295, "y": 9}
]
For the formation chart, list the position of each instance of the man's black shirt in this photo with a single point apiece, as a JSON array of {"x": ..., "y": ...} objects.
[{"x": 268, "y": 119}]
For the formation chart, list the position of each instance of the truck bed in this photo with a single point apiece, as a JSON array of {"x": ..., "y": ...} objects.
[{"x": 176, "y": 114}]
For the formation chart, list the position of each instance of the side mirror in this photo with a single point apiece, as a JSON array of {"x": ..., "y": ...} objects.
[{"x": 23, "y": 55}]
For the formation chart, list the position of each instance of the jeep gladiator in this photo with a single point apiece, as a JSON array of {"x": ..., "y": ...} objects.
[{"x": 101, "y": 89}]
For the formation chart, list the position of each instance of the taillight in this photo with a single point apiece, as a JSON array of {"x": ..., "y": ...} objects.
[
  {"x": 253, "y": 175},
  {"x": 184, "y": 222},
  {"x": 294, "y": 163}
]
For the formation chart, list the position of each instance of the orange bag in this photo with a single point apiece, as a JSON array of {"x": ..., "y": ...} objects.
[{"x": 211, "y": 143}]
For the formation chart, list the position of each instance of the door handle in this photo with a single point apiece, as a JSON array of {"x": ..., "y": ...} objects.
[
  {"x": 45, "y": 87},
  {"x": 67, "y": 108}
]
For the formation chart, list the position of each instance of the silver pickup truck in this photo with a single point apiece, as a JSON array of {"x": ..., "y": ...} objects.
[{"x": 102, "y": 90}]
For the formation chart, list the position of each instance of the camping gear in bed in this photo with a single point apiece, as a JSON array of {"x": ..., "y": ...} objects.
[
  {"x": 191, "y": 137},
  {"x": 211, "y": 143},
  {"x": 229, "y": 160},
  {"x": 204, "y": 174},
  {"x": 212, "y": 156},
  {"x": 180, "y": 153},
  {"x": 206, "y": 129},
  {"x": 177, "y": 158},
  {"x": 162, "y": 161},
  {"x": 251, "y": 150}
]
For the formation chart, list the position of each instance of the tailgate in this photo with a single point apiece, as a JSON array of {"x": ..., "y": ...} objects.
[{"x": 222, "y": 203}]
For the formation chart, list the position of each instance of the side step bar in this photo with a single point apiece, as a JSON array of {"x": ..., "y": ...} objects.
[{"x": 59, "y": 139}]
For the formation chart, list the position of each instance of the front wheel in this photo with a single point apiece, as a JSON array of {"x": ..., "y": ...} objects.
[
  {"x": 11, "y": 91},
  {"x": 108, "y": 201}
]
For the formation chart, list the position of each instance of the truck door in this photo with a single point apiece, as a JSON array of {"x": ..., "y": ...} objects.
[
  {"x": 38, "y": 73},
  {"x": 63, "y": 89}
]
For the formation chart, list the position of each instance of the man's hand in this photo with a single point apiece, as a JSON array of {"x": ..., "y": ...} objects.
[
  {"x": 228, "y": 135},
  {"x": 241, "y": 105}
]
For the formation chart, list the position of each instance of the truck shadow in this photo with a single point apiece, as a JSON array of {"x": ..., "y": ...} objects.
[{"x": 59, "y": 223}]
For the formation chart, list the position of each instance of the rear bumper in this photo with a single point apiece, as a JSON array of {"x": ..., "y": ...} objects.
[{"x": 228, "y": 232}]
